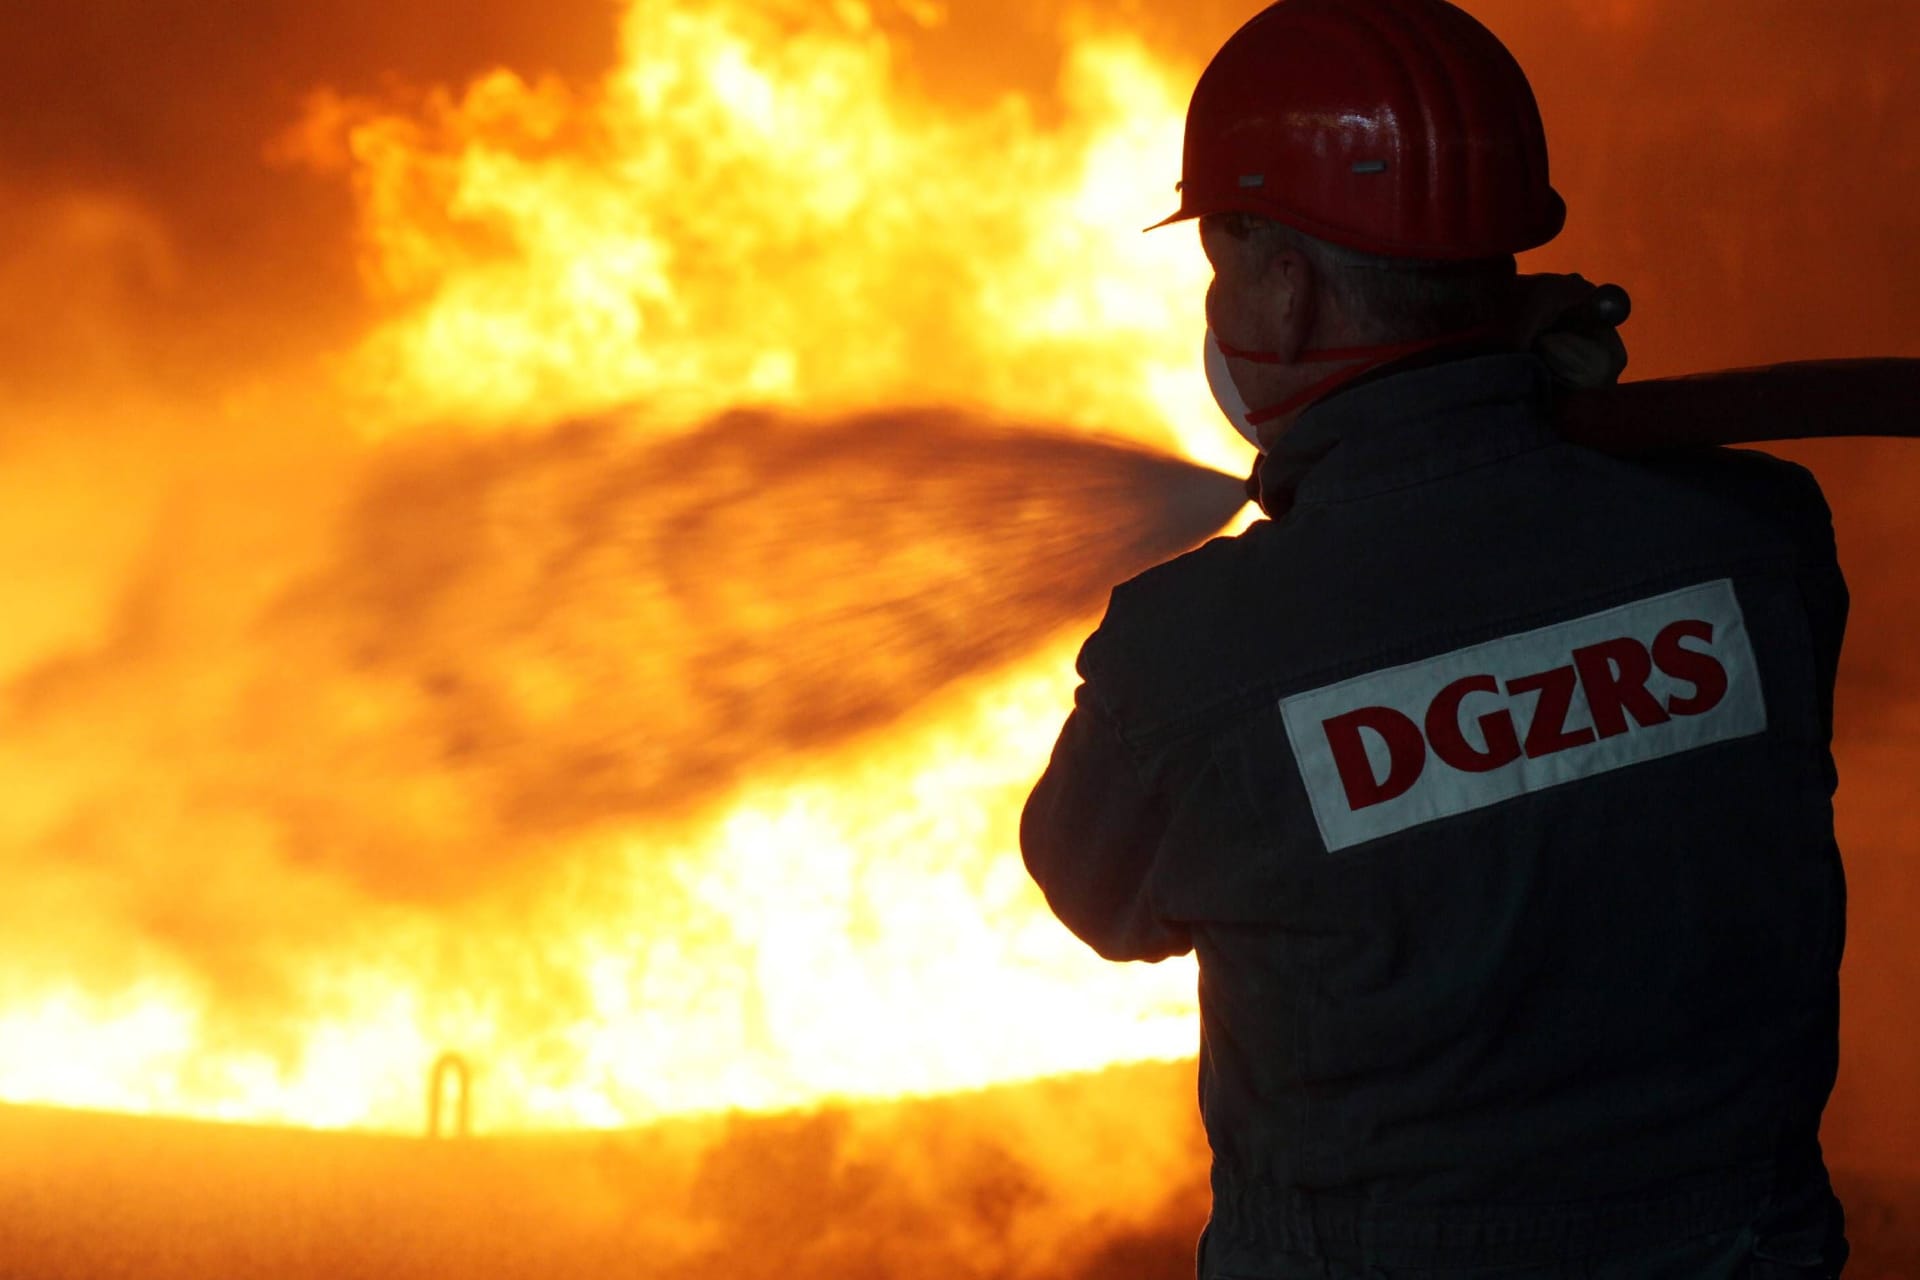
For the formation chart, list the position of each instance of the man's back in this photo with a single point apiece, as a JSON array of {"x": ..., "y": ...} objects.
[{"x": 1492, "y": 788}]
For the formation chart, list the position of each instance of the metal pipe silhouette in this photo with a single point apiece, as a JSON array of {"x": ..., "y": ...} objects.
[{"x": 450, "y": 1064}]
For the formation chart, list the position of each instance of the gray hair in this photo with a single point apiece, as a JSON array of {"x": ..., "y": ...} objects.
[{"x": 1390, "y": 299}]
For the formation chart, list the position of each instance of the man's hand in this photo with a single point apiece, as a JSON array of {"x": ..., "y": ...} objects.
[{"x": 1550, "y": 317}]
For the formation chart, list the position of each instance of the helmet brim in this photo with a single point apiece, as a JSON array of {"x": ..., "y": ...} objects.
[{"x": 1181, "y": 214}]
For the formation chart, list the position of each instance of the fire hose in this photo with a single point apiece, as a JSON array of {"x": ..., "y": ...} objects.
[
  {"x": 1794, "y": 401},
  {"x": 1799, "y": 400}
]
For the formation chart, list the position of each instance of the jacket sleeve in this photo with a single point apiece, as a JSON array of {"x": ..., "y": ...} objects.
[
  {"x": 1091, "y": 832},
  {"x": 1824, "y": 588}
]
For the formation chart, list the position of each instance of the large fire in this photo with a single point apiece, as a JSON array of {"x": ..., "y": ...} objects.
[
  {"x": 664, "y": 759},
  {"x": 754, "y": 207},
  {"x": 610, "y": 638}
]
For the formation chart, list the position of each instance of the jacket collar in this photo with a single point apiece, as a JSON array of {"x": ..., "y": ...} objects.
[{"x": 1409, "y": 422}]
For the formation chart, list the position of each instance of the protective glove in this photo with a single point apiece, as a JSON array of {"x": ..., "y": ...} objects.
[{"x": 1573, "y": 331}]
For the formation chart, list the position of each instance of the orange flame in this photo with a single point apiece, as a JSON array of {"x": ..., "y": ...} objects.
[
  {"x": 666, "y": 761},
  {"x": 273, "y": 826},
  {"x": 753, "y": 208}
]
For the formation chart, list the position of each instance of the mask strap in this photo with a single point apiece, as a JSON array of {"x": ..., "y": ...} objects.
[{"x": 1372, "y": 357}]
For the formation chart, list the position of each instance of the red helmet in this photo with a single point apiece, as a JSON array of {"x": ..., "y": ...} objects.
[{"x": 1402, "y": 128}]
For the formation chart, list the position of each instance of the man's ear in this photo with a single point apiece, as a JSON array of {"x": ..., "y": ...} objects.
[{"x": 1293, "y": 294}]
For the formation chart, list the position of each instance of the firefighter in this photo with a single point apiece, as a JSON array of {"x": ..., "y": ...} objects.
[{"x": 1489, "y": 779}]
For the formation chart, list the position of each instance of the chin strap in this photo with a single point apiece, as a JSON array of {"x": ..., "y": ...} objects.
[{"x": 1370, "y": 358}]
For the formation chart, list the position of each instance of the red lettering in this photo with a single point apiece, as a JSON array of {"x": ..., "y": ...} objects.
[
  {"x": 1451, "y": 745},
  {"x": 1702, "y": 670},
  {"x": 1406, "y": 750},
  {"x": 1613, "y": 696},
  {"x": 1548, "y": 732}
]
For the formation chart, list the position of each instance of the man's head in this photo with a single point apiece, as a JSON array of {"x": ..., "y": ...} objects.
[
  {"x": 1364, "y": 172},
  {"x": 1350, "y": 298},
  {"x": 1400, "y": 128},
  {"x": 1283, "y": 293}
]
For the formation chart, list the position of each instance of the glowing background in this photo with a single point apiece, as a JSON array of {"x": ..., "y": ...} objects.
[{"x": 321, "y": 681}]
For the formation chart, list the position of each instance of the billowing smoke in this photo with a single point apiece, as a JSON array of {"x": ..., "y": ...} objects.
[{"x": 143, "y": 235}]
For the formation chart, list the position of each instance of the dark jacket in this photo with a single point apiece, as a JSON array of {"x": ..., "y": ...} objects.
[{"x": 1491, "y": 785}]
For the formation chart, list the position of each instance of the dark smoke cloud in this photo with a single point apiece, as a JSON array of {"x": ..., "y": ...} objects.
[
  {"x": 162, "y": 110},
  {"x": 129, "y": 85}
]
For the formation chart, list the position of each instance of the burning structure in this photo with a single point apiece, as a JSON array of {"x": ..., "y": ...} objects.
[{"x": 562, "y": 542}]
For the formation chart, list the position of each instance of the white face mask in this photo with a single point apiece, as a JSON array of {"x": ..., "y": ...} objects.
[
  {"x": 1359, "y": 360},
  {"x": 1226, "y": 394}
]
